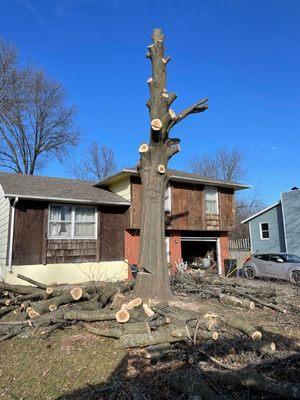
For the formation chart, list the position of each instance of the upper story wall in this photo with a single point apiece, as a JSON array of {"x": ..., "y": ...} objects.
[
  {"x": 187, "y": 208},
  {"x": 275, "y": 242},
  {"x": 291, "y": 216}
]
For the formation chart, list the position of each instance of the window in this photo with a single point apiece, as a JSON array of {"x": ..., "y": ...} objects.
[
  {"x": 276, "y": 258},
  {"x": 211, "y": 200},
  {"x": 168, "y": 199},
  {"x": 264, "y": 231},
  {"x": 72, "y": 222},
  {"x": 264, "y": 257}
]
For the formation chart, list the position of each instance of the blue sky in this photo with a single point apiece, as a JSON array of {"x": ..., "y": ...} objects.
[{"x": 242, "y": 54}]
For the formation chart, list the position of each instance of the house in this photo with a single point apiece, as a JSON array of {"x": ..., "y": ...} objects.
[
  {"x": 277, "y": 227},
  {"x": 67, "y": 230}
]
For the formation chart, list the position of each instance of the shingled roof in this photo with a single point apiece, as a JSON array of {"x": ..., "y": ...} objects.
[
  {"x": 176, "y": 175},
  {"x": 57, "y": 189}
]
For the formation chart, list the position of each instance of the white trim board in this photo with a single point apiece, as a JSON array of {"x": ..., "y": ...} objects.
[{"x": 260, "y": 212}]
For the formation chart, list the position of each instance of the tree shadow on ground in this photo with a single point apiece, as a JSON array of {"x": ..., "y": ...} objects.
[{"x": 137, "y": 379}]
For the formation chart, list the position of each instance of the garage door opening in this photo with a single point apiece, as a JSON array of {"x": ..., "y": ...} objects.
[{"x": 202, "y": 252}]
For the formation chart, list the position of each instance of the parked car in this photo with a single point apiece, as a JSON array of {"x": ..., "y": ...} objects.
[{"x": 273, "y": 265}]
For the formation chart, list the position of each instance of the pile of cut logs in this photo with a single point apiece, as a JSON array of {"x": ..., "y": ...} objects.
[
  {"x": 237, "y": 293},
  {"x": 157, "y": 330}
]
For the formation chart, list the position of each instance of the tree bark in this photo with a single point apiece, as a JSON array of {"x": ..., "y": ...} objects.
[
  {"x": 170, "y": 335},
  {"x": 153, "y": 282}
]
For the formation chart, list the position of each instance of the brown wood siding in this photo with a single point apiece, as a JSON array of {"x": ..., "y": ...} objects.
[
  {"x": 112, "y": 230},
  {"x": 71, "y": 251},
  {"x": 136, "y": 200},
  {"x": 28, "y": 233},
  {"x": 187, "y": 207},
  {"x": 227, "y": 209}
]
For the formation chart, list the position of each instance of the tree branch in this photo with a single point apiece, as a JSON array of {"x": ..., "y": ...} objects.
[{"x": 198, "y": 107}]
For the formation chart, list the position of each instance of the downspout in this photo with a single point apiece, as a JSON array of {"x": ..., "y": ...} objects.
[{"x": 11, "y": 233}]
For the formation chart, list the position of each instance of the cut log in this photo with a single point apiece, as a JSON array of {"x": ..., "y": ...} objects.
[
  {"x": 105, "y": 332},
  {"x": 52, "y": 307},
  {"x": 20, "y": 289},
  {"x": 236, "y": 302},
  {"x": 6, "y": 310},
  {"x": 66, "y": 297},
  {"x": 156, "y": 124},
  {"x": 156, "y": 352},
  {"x": 32, "y": 313},
  {"x": 157, "y": 322},
  {"x": 122, "y": 316},
  {"x": 244, "y": 327},
  {"x": 138, "y": 313},
  {"x": 148, "y": 310},
  {"x": 118, "y": 301},
  {"x": 135, "y": 302},
  {"x": 126, "y": 306},
  {"x": 170, "y": 335},
  {"x": 90, "y": 316},
  {"x": 136, "y": 327},
  {"x": 76, "y": 293},
  {"x": 32, "y": 281},
  {"x": 48, "y": 293}
]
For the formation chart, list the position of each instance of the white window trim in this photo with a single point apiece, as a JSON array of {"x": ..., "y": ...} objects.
[
  {"x": 260, "y": 230},
  {"x": 73, "y": 237},
  {"x": 217, "y": 198},
  {"x": 168, "y": 198}
]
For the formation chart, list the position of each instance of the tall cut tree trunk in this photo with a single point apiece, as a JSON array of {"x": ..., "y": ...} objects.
[{"x": 152, "y": 168}]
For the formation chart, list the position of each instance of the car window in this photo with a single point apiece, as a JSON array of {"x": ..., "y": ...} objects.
[
  {"x": 276, "y": 258},
  {"x": 291, "y": 258},
  {"x": 263, "y": 257}
]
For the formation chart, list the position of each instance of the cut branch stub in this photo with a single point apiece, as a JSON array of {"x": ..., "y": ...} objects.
[
  {"x": 143, "y": 148},
  {"x": 156, "y": 124},
  {"x": 149, "y": 80},
  {"x": 172, "y": 113},
  {"x": 161, "y": 169}
]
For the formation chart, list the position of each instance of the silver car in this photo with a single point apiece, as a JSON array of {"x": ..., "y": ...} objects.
[{"x": 273, "y": 265}]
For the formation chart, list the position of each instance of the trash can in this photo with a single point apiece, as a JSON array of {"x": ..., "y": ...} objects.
[{"x": 230, "y": 265}]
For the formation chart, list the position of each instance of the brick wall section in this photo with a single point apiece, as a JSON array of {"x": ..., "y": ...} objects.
[
  {"x": 131, "y": 250},
  {"x": 175, "y": 249},
  {"x": 224, "y": 244}
]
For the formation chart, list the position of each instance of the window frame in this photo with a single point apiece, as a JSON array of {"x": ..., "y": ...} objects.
[
  {"x": 73, "y": 222},
  {"x": 217, "y": 199},
  {"x": 261, "y": 230},
  {"x": 168, "y": 199}
]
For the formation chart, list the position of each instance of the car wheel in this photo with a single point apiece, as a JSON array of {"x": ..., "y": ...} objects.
[
  {"x": 295, "y": 277},
  {"x": 249, "y": 272}
]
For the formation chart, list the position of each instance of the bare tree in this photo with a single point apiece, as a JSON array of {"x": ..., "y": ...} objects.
[
  {"x": 8, "y": 74},
  {"x": 35, "y": 121},
  {"x": 224, "y": 164},
  {"x": 99, "y": 163},
  {"x": 152, "y": 169}
]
